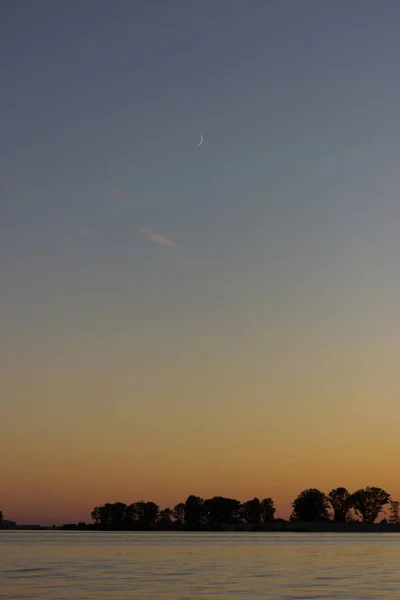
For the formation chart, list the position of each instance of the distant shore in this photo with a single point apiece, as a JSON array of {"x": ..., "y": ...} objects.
[
  {"x": 313, "y": 511},
  {"x": 273, "y": 527}
]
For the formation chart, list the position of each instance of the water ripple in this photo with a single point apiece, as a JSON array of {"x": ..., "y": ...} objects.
[{"x": 121, "y": 566}]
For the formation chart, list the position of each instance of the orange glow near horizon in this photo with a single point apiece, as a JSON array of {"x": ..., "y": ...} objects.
[
  {"x": 53, "y": 471},
  {"x": 249, "y": 430}
]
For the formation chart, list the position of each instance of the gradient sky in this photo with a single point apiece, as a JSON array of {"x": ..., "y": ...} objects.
[{"x": 216, "y": 320}]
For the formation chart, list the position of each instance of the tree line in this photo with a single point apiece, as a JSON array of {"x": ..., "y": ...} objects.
[
  {"x": 340, "y": 506},
  {"x": 196, "y": 513}
]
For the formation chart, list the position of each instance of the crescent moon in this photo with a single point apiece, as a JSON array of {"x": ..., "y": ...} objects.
[{"x": 201, "y": 141}]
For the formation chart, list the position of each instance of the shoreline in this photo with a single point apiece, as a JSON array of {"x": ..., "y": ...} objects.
[{"x": 287, "y": 527}]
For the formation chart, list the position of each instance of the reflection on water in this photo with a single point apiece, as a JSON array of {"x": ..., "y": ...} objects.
[{"x": 180, "y": 566}]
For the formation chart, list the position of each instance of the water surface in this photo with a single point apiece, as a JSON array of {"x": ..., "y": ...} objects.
[{"x": 55, "y": 565}]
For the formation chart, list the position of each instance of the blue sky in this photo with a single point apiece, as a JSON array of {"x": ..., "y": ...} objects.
[
  {"x": 297, "y": 102},
  {"x": 284, "y": 222}
]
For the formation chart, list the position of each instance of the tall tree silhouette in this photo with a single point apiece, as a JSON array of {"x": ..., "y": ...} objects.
[
  {"x": 394, "y": 512},
  {"x": 117, "y": 515},
  {"x": 339, "y": 499},
  {"x": 252, "y": 511},
  {"x": 194, "y": 512},
  {"x": 146, "y": 514},
  {"x": 310, "y": 505},
  {"x": 165, "y": 518},
  {"x": 95, "y": 515},
  {"x": 178, "y": 513},
  {"x": 130, "y": 517},
  {"x": 105, "y": 515},
  {"x": 368, "y": 502},
  {"x": 268, "y": 510},
  {"x": 219, "y": 510}
]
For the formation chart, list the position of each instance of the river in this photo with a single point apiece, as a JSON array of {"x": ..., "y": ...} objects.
[{"x": 60, "y": 565}]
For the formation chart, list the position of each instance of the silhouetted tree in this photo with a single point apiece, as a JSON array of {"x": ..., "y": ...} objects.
[
  {"x": 178, "y": 513},
  {"x": 268, "y": 510},
  {"x": 368, "y": 502},
  {"x": 1, "y": 517},
  {"x": 146, "y": 514},
  {"x": 117, "y": 515},
  {"x": 352, "y": 516},
  {"x": 339, "y": 499},
  {"x": 251, "y": 511},
  {"x": 394, "y": 512},
  {"x": 219, "y": 510},
  {"x": 165, "y": 518},
  {"x": 140, "y": 515},
  {"x": 105, "y": 516},
  {"x": 310, "y": 505},
  {"x": 130, "y": 517},
  {"x": 108, "y": 516},
  {"x": 194, "y": 512},
  {"x": 95, "y": 515}
]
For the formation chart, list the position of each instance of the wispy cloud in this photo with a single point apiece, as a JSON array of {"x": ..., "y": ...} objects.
[{"x": 156, "y": 238}]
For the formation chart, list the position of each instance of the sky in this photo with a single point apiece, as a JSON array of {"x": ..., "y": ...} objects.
[{"x": 177, "y": 319}]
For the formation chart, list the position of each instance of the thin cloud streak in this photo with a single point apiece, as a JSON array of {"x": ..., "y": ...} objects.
[{"x": 156, "y": 238}]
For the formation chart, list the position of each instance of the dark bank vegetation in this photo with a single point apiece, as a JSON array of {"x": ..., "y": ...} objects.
[
  {"x": 194, "y": 514},
  {"x": 219, "y": 513},
  {"x": 340, "y": 506}
]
